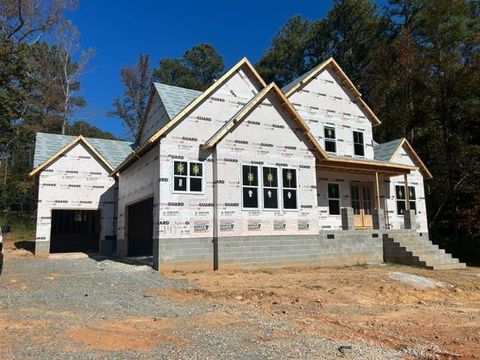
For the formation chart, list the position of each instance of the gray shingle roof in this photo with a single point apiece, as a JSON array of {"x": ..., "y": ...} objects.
[
  {"x": 175, "y": 98},
  {"x": 385, "y": 151},
  {"x": 46, "y": 145}
]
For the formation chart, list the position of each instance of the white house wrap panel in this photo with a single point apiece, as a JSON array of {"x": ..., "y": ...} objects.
[
  {"x": 76, "y": 181},
  {"x": 415, "y": 179},
  {"x": 267, "y": 138},
  {"x": 191, "y": 214},
  {"x": 155, "y": 119},
  {"x": 324, "y": 102}
]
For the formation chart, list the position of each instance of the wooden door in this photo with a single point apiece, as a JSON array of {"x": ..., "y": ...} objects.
[{"x": 362, "y": 204}]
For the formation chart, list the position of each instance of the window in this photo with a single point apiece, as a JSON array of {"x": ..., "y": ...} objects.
[
  {"x": 187, "y": 176},
  {"x": 270, "y": 188},
  {"x": 333, "y": 191},
  {"x": 330, "y": 139},
  {"x": 358, "y": 148},
  {"x": 289, "y": 183},
  {"x": 401, "y": 200},
  {"x": 196, "y": 173},
  {"x": 250, "y": 186}
]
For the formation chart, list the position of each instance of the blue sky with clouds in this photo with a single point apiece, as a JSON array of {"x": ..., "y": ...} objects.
[{"x": 119, "y": 30}]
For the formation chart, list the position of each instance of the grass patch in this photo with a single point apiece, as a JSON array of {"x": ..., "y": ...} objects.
[{"x": 22, "y": 226}]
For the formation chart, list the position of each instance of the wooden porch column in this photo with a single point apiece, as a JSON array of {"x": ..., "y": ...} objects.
[
  {"x": 377, "y": 189},
  {"x": 407, "y": 193}
]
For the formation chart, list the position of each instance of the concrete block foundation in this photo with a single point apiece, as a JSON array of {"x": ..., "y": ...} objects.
[{"x": 335, "y": 248}]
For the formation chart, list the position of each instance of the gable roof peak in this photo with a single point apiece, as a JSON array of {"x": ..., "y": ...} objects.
[
  {"x": 298, "y": 84},
  {"x": 257, "y": 99},
  {"x": 187, "y": 109}
]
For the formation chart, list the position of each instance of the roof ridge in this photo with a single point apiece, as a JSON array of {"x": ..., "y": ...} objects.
[
  {"x": 175, "y": 86},
  {"x": 388, "y": 142}
]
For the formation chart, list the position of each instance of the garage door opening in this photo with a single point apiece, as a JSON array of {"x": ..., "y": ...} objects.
[
  {"x": 140, "y": 228},
  {"x": 75, "y": 231}
]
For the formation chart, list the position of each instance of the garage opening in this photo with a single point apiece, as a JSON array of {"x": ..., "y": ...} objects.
[
  {"x": 140, "y": 228},
  {"x": 75, "y": 231}
]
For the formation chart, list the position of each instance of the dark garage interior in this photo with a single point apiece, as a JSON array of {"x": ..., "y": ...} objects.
[
  {"x": 140, "y": 228},
  {"x": 75, "y": 231}
]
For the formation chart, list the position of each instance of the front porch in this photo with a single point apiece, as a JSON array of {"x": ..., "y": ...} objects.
[{"x": 365, "y": 195}]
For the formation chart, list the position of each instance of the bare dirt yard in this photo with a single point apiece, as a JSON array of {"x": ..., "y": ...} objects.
[{"x": 83, "y": 307}]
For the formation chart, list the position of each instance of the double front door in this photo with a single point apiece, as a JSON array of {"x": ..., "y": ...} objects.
[{"x": 362, "y": 204}]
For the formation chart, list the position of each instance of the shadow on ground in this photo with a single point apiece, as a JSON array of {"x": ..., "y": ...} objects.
[{"x": 26, "y": 245}]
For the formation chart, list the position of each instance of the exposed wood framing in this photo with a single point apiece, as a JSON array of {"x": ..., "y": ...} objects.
[
  {"x": 272, "y": 88},
  {"x": 407, "y": 192},
  {"x": 416, "y": 159},
  {"x": 377, "y": 187}
]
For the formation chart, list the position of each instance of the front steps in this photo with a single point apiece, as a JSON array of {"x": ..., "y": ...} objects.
[{"x": 409, "y": 248}]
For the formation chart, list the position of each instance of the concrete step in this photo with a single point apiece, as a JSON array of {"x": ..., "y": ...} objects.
[
  {"x": 411, "y": 249},
  {"x": 448, "y": 266},
  {"x": 416, "y": 247}
]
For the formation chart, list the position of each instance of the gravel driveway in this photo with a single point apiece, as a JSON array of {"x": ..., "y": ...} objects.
[{"x": 95, "y": 308}]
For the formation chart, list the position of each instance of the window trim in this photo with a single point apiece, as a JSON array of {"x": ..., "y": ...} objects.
[
  {"x": 278, "y": 188},
  {"x": 258, "y": 187},
  {"x": 334, "y": 140},
  {"x": 339, "y": 199},
  {"x": 288, "y": 188},
  {"x": 363, "y": 143},
  {"x": 187, "y": 177},
  {"x": 405, "y": 200}
]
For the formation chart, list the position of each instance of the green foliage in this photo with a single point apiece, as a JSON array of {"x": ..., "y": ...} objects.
[
  {"x": 84, "y": 128},
  {"x": 286, "y": 59},
  {"x": 197, "y": 69},
  {"x": 418, "y": 64},
  {"x": 130, "y": 108}
]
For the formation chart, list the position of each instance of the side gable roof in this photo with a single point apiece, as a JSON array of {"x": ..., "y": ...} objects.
[
  {"x": 48, "y": 147},
  {"x": 301, "y": 81},
  {"x": 257, "y": 99},
  {"x": 174, "y": 98},
  {"x": 190, "y": 107}
]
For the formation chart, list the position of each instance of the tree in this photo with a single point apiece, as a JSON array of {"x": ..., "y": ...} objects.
[
  {"x": 286, "y": 59},
  {"x": 26, "y": 21},
  {"x": 130, "y": 108},
  {"x": 69, "y": 64},
  {"x": 197, "y": 69},
  {"x": 84, "y": 128},
  {"x": 350, "y": 30},
  {"x": 348, "y": 33},
  {"x": 32, "y": 88}
]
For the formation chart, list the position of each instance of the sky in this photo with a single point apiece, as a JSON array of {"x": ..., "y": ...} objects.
[{"x": 120, "y": 30}]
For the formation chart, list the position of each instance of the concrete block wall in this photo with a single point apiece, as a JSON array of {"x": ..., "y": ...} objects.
[{"x": 335, "y": 248}]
